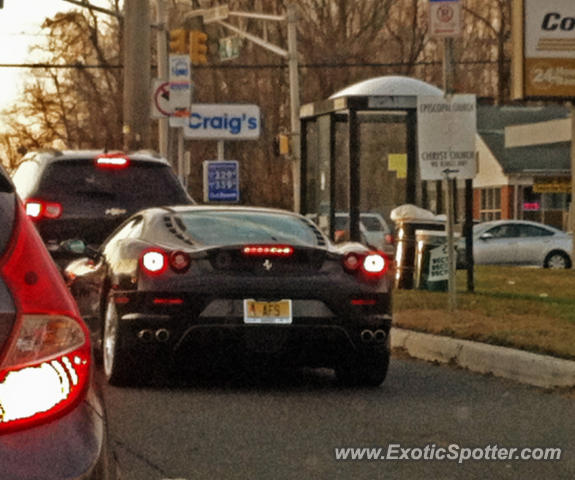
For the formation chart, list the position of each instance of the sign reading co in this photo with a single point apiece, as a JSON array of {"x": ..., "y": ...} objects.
[
  {"x": 543, "y": 48},
  {"x": 214, "y": 121}
]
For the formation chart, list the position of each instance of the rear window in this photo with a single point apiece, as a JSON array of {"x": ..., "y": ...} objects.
[
  {"x": 240, "y": 228},
  {"x": 372, "y": 224},
  {"x": 139, "y": 185}
]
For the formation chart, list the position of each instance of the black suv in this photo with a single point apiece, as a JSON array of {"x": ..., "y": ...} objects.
[{"x": 87, "y": 194}]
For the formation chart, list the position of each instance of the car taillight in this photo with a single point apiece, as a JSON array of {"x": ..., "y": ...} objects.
[
  {"x": 268, "y": 250},
  {"x": 115, "y": 161},
  {"x": 374, "y": 264},
  {"x": 155, "y": 261},
  {"x": 45, "y": 368},
  {"x": 180, "y": 261},
  {"x": 37, "y": 209},
  {"x": 389, "y": 239},
  {"x": 371, "y": 264}
]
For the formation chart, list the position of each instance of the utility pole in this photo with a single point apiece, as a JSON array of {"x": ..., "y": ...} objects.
[
  {"x": 448, "y": 82},
  {"x": 162, "y": 53},
  {"x": 136, "y": 127},
  {"x": 294, "y": 104},
  {"x": 572, "y": 204}
]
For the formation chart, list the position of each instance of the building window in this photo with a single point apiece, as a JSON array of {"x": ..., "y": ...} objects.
[{"x": 490, "y": 204}]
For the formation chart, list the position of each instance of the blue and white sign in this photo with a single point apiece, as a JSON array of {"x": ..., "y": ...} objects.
[
  {"x": 221, "y": 181},
  {"x": 180, "y": 89},
  {"x": 214, "y": 121}
]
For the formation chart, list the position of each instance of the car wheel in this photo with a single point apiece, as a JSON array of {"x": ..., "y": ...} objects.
[
  {"x": 117, "y": 363},
  {"x": 366, "y": 370},
  {"x": 557, "y": 260}
]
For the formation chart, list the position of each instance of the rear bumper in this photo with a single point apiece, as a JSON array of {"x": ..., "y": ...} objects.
[
  {"x": 71, "y": 447},
  {"x": 309, "y": 341}
]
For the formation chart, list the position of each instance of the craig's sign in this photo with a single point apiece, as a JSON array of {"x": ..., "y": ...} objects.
[
  {"x": 214, "y": 121},
  {"x": 544, "y": 48}
]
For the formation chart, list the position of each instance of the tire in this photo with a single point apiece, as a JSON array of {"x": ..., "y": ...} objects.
[
  {"x": 118, "y": 364},
  {"x": 364, "y": 370},
  {"x": 557, "y": 259}
]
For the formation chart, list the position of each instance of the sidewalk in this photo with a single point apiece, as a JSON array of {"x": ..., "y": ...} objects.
[{"x": 525, "y": 367}]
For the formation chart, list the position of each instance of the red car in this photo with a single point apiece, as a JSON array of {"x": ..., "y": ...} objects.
[{"x": 52, "y": 422}]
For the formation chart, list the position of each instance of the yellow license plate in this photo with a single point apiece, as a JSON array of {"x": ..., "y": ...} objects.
[{"x": 275, "y": 313}]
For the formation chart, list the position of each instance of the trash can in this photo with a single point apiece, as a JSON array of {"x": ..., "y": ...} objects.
[
  {"x": 405, "y": 252},
  {"x": 431, "y": 266}
]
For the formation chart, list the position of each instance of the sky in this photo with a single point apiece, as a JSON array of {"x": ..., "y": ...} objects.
[{"x": 20, "y": 22}]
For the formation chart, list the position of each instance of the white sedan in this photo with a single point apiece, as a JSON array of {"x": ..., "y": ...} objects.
[{"x": 519, "y": 242}]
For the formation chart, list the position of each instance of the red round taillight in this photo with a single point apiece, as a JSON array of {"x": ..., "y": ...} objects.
[
  {"x": 374, "y": 264},
  {"x": 180, "y": 261},
  {"x": 351, "y": 261},
  {"x": 370, "y": 264},
  {"x": 154, "y": 261}
]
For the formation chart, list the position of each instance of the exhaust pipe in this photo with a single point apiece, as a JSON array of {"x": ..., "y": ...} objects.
[
  {"x": 379, "y": 336},
  {"x": 146, "y": 335},
  {"x": 162, "y": 335},
  {"x": 366, "y": 336}
]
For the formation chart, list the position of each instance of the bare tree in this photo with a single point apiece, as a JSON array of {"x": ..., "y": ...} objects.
[{"x": 75, "y": 101}]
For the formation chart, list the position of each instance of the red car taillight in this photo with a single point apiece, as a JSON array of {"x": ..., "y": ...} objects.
[
  {"x": 114, "y": 161},
  {"x": 371, "y": 264},
  {"x": 155, "y": 261},
  {"x": 37, "y": 209},
  {"x": 45, "y": 368},
  {"x": 268, "y": 250}
]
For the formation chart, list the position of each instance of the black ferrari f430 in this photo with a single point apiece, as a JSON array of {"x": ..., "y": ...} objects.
[{"x": 184, "y": 285}]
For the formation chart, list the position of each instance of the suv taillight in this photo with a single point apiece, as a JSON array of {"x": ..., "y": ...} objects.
[
  {"x": 45, "y": 368},
  {"x": 37, "y": 209},
  {"x": 114, "y": 161}
]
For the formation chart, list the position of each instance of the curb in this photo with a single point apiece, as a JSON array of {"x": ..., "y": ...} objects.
[{"x": 525, "y": 367}]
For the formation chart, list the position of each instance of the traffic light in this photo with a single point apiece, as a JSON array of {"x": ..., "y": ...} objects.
[
  {"x": 198, "y": 47},
  {"x": 178, "y": 40}
]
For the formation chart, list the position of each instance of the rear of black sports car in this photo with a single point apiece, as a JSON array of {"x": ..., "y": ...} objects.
[
  {"x": 195, "y": 285},
  {"x": 289, "y": 304},
  {"x": 321, "y": 311}
]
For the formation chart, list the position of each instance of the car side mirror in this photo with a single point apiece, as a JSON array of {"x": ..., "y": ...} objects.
[
  {"x": 76, "y": 246},
  {"x": 486, "y": 236}
]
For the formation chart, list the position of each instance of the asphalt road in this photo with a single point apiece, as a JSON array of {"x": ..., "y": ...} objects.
[{"x": 287, "y": 426}]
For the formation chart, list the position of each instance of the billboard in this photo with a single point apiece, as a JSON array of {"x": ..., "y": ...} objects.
[{"x": 543, "y": 48}]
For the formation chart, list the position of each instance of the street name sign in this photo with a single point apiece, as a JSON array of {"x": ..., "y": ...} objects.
[
  {"x": 446, "y": 130},
  {"x": 229, "y": 47}
]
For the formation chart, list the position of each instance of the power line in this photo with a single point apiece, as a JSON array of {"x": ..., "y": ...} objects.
[
  {"x": 79, "y": 66},
  {"x": 251, "y": 67}
]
